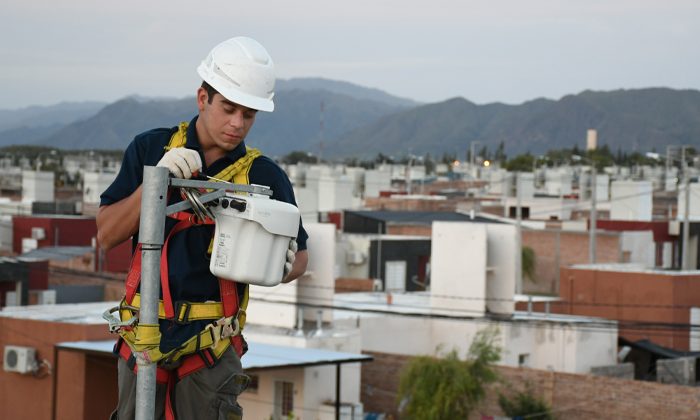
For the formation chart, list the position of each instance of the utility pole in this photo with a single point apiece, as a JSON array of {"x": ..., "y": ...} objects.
[
  {"x": 519, "y": 237},
  {"x": 685, "y": 263},
  {"x": 320, "y": 135},
  {"x": 472, "y": 158},
  {"x": 151, "y": 229},
  {"x": 593, "y": 216}
]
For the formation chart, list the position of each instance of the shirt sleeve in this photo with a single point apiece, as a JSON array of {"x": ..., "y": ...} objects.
[{"x": 145, "y": 149}]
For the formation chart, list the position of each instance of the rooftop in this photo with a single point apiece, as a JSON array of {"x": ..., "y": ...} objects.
[
  {"x": 373, "y": 304},
  {"x": 61, "y": 253},
  {"x": 419, "y": 217},
  {"x": 259, "y": 356},
  {"x": 634, "y": 268},
  {"x": 71, "y": 313}
]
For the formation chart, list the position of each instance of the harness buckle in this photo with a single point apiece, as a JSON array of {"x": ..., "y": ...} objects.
[
  {"x": 184, "y": 319},
  {"x": 224, "y": 328},
  {"x": 115, "y": 324}
]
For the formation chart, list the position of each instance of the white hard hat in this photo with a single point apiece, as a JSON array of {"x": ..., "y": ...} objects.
[{"x": 242, "y": 71}]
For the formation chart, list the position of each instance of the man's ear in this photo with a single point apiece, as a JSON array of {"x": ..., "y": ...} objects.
[{"x": 202, "y": 98}]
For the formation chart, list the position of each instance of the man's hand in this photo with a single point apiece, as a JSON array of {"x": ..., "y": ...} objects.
[
  {"x": 181, "y": 162},
  {"x": 291, "y": 256}
]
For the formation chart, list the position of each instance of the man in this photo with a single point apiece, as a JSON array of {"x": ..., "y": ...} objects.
[{"x": 238, "y": 81}]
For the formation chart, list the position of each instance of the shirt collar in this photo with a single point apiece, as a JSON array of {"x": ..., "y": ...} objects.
[{"x": 193, "y": 142}]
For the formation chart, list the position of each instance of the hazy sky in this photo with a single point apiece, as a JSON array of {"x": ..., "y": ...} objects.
[{"x": 485, "y": 50}]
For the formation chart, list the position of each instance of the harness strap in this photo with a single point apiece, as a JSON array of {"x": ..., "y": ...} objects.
[
  {"x": 190, "y": 364},
  {"x": 184, "y": 311},
  {"x": 205, "y": 348}
]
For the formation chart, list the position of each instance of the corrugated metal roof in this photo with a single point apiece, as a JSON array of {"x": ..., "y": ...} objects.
[
  {"x": 60, "y": 253},
  {"x": 260, "y": 356}
]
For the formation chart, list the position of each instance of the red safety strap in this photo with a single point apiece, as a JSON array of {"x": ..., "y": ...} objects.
[
  {"x": 133, "y": 277},
  {"x": 190, "y": 364}
]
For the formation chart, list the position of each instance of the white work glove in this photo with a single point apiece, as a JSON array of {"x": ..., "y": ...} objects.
[
  {"x": 291, "y": 256},
  {"x": 181, "y": 162}
]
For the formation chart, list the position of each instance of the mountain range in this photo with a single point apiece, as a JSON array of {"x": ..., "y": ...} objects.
[{"x": 340, "y": 119}]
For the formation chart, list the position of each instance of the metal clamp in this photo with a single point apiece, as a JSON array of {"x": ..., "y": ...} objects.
[{"x": 115, "y": 324}]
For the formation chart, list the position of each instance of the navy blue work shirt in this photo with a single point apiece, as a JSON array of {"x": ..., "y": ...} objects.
[{"x": 189, "y": 276}]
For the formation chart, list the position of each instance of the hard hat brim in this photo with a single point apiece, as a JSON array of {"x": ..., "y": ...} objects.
[{"x": 233, "y": 95}]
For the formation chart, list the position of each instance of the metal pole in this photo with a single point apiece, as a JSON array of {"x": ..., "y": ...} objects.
[
  {"x": 379, "y": 253},
  {"x": 593, "y": 217},
  {"x": 519, "y": 237},
  {"x": 151, "y": 228},
  {"x": 685, "y": 264},
  {"x": 337, "y": 391}
]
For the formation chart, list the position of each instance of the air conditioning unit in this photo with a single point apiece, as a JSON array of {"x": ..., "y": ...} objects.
[
  {"x": 46, "y": 297},
  {"x": 355, "y": 257},
  {"x": 19, "y": 359},
  {"x": 38, "y": 233}
]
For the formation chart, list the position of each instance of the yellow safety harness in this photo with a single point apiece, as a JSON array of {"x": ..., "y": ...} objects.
[{"x": 224, "y": 329}]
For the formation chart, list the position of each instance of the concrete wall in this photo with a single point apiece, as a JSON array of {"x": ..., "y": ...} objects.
[
  {"x": 376, "y": 181},
  {"x": 27, "y": 396},
  {"x": 571, "y": 396},
  {"x": 458, "y": 268},
  {"x": 261, "y": 404},
  {"x": 555, "y": 346},
  {"x": 37, "y": 186},
  {"x": 650, "y": 296},
  {"x": 638, "y": 247},
  {"x": 556, "y": 248},
  {"x": 307, "y": 202},
  {"x": 694, "y": 204},
  {"x": 631, "y": 200},
  {"x": 86, "y": 386},
  {"x": 94, "y": 184},
  {"x": 558, "y": 181},
  {"x": 502, "y": 257},
  {"x": 319, "y": 287}
]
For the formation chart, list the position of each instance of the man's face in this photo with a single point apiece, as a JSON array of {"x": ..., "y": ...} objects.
[{"x": 226, "y": 124}]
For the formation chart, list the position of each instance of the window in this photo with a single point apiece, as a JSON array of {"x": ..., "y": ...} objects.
[
  {"x": 524, "y": 360},
  {"x": 284, "y": 398},
  {"x": 253, "y": 384}
]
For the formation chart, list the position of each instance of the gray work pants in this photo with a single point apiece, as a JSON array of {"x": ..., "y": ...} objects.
[{"x": 209, "y": 393}]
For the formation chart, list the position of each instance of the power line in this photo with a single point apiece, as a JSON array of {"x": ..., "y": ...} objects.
[{"x": 100, "y": 276}]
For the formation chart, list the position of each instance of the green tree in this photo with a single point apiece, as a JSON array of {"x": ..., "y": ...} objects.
[
  {"x": 448, "y": 387},
  {"x": 521, "y": 163},
  {"x": 525, "y": 404},
  {"x": 429, "y": 164},
  {"x": 500, "y": 155},
  {"x": 529, "y": 263},
  {"x": 297, "y": 156}
]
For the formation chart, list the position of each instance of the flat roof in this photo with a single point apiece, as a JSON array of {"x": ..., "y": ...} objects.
[
  {"x": 60, "y": 253},
  {"x": 420, "y": 217},
  {"x": 260, "y": 356},
  {"x": 71, "y": 313},
  {"x": 373, "y": 304},
  {"x": 634, "y": 268}
]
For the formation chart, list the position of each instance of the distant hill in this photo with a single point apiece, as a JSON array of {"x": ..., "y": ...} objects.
[
  {"x": 363, "y": 122},
  {"x": 41, "y": 116},
  {"x": 641, "y": 119},
  {"x": 295, "y": 124},
  {"x": 31, "y": 124},
  {"x": 343, "y": 88}
]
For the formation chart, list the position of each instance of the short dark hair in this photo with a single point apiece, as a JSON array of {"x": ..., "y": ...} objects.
[{"x": 210, "y": 91}]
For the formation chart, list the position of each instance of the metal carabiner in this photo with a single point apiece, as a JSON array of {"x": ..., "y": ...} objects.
[{"x": 115, "y": 324}]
